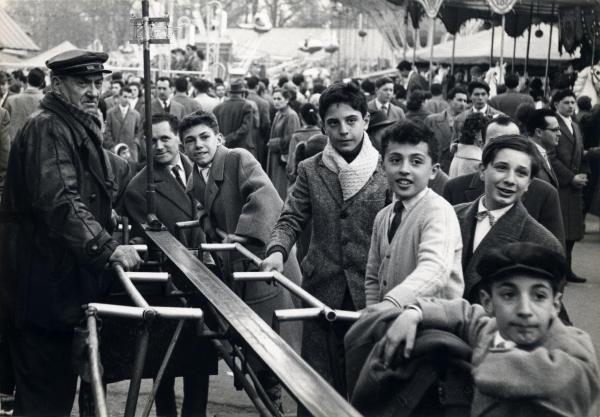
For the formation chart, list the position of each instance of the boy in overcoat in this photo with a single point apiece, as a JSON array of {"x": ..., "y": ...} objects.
[{"x": 341, "y": 190}]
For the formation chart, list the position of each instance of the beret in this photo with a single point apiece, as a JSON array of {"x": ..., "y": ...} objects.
[
  {"x": 78, "y": 62},
  {"x": 523, "y": 257}
]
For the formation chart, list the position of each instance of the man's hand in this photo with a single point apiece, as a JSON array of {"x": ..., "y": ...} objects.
[
  {"x": 127, "y": 256},
  {"x": 233, "y": 238},
  {"x": 273, "y": 262},
  {"x": 579, "y": 180},
  {"x": 402, "y": 330}
]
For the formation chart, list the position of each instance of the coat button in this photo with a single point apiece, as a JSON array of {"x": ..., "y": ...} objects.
[
  {"x": 93, "y": 196},
  {"x": 344, "y": 214},
  {"x": 94, "y": 248}
]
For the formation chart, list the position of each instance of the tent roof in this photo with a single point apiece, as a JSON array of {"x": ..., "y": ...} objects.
[
  {"x": 40, "y": 60},
  {"x": 475, "y": 48},
  {"x": 12, "y": 36}
]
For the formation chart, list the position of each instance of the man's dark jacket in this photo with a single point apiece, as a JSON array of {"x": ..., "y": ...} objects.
[{"x": 55, "y": 222}]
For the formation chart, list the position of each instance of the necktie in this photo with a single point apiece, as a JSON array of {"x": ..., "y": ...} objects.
[
  {"x": 165, "y": 106},
  {"x": 385, "y": 109},
  {"x": 483, "y": 214},
  {"x": 201, "y": 185},
  {"x": 175, "y": 171},
  {"x": 396, "y": 220}
]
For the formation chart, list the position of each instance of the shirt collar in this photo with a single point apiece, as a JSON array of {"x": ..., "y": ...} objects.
[
  {"x": 411, "y": 202},
  {"x": 568, "y": 120},
  {"x": 496, "y": 213},
  {"x": 379, "y": 104},
  {"x": 484, "y": 110},
  {"x": 177, "y": 162}
]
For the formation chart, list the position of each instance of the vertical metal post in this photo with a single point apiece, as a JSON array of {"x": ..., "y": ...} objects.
[
  {"x": 453, "y": 52},
  {"x": 492, "y": 46},
  {"x": 528, "y": 40},
  {"x": 94, "y": 356},
  {"x": 432, "y": 39},
  {"x": 512, "y": 65},
  {"x": 138, "y": 366},
  {"x": 546, "y": 81},
  {"x": 500, "y": 75},
  {"x": 150, "y": 188},
  {"x": 414, "y": 57}
]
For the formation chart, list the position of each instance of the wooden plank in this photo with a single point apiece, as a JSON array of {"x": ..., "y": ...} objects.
[{"x": 306, "y": 385}]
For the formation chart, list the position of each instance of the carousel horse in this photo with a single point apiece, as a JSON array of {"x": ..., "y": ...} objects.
[
  {"x": 588, "y": 83},
  {"x": 493, "y": 78}
]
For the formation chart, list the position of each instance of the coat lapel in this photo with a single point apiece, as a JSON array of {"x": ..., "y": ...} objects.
[
  {"x": 564, "y": 129},
  {"x": 330, "y": 179},
  {"x": 168, "y": 187},
  {"x": 216, "y": 175},
  {"x": 466, "y": 221},
  {"x": 475, "y": 188}
]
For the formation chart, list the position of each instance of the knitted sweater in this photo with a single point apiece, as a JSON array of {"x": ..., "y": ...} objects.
[
  {"x": 559, "y": 377},
  {"x": 422, "y": 260}
]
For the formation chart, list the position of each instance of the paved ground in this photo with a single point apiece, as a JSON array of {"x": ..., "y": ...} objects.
[{"x": 581, "y": 300}]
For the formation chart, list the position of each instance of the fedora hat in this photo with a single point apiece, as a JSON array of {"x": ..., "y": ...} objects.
[{"x": 237, "y": 87}]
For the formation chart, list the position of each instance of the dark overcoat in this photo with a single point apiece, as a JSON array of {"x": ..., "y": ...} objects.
[
  {"x": 516, "y": 225},
  {"x": 443, "y": 129},
  {"x": 127, "y": 130},
  {"x": 567, "y": 162},
  {"x": 236, "y": 122},
  {"x": 339, "y": 245},
  {"x": 55, "y": 226}
]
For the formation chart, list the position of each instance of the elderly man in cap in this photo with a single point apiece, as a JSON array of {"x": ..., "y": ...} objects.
[
  {"x": 236, "y": 119},
  {"x": 55, "y": 233}
]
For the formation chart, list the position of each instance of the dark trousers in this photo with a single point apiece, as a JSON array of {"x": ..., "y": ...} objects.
[
  {"x": 45, "y": 379},
  {"x": 195, "y": 396},
  {"x": 569, "y": 244}
]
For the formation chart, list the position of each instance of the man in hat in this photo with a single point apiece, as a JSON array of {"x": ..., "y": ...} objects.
[
  {"x": 236, "y": 119},
  {"x": 55, "y": 233}
]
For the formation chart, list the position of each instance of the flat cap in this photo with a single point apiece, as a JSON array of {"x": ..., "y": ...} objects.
[
  {"x": 526, "y": 258},
  {"x": 78, "y": 62}
]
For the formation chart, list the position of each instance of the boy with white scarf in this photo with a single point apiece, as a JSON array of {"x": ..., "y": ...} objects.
[{"x": 341, "y": 190}]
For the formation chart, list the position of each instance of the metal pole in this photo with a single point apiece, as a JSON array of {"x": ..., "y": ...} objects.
[
  {"x": 546, "y": 83},
  {"x": 138, "y": 367},
  {"x": 150, "y": 188},
  {"x": 431, "y": 38},
  {"x": 502, "y": 48},
  {"x": 528, "y": 40},
  {"x": 492, "y": 46},
  {"x": 94, "y": 355},
  {"x": 453, "y": 51},
  {"x": 512, "y": 66},
  {"x": 414, "y": 57}
]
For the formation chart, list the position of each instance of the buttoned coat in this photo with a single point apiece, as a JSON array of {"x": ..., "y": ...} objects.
[
  {"x": 236, "y": 122},
  {"x": 339, "y": 246},
  {"x": 516, "y": 225},
  {"x": 540, "y": 200},
  {"x": 394, "y": 112},
  {"x": 567, "y": 162},
  {"x": 119, "y": 129},
  {"x": 175, "y": 108},
  {"x": 240, "y": 199},
  {"x": 443, "y": 130},
  {"x": 285, "y": 123},
  {"x": 21, "y": 106}
]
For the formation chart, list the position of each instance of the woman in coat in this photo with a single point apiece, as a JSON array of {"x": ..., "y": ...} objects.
[
  {"x": 309, "y": 115},
  {"x": 285, "y": 123},
  {"x": 467, "y": 157}
]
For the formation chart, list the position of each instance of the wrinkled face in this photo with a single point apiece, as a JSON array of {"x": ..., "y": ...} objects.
[
  {"x": 220, "y": 91},
  {"x": 479, "y": 98},
  {"x": 135, "y": 92},
  {"x": 345, "y": 127},
  {"x": 506, "y": 178},
  {"x": 165, "y": 143},
  {"x": 385, "y": 93},
  {"x": 566, "y": 107},
  {"x": 116, "y": 89},
  {"x": 408, "y": 168},
  {"x": 163, "y": 89},
  {"x": 279, "y": 101},
  {"x": 125, "y": 98},
  {"x": 201, "y": 143},
  {"x": 550, "y": 135},
  {"x": 524, "y": 307},
  {"x": 83, "y": 92},
  {"x": 458, "y": 103}
]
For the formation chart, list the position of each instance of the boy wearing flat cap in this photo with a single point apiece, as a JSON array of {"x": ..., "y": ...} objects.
[{"x": 525, "y": 361}]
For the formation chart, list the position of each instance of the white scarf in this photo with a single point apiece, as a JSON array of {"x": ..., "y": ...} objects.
[{"x": 354, "y": 175}]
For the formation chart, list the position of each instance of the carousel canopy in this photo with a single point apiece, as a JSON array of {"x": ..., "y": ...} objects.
[
  {"x": 40, "y": 60},
  {"x": 475, "y": 49},
  {"x": 12, "y": 36}
]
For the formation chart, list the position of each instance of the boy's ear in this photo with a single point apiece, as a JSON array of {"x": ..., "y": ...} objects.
[
  {"x": 486, "y": 301},
  {"x": 220, "y": 139},
  {"x": 481, "y": 169},
  {"x": 557, "y": 304},
  {"x": 367, "y": 119},
  {"x": 435, "y": 168}
]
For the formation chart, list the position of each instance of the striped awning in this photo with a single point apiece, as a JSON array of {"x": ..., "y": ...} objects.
[{"x": 12, "y": 36}]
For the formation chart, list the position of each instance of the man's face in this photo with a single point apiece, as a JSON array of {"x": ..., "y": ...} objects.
[
  {"x": 458, "y": 103},
  {"x": 220, "y": 91},
  {"x": 550, "y": 134},
  {"x": 385, "y": 93},
  {"x": 479, "y": 98},
  {"x": 135, "y": 92},
  {"x": 345, "y": 127},
  {"x": 165, "y": 143},
  {"x": 116, "y": 89},
  {"x": 494, "y": 130},
  {"x": 83, "y": 92},
  {"x": 524, "y": 308},
  {"x": 506, "y": 178},
  {"x": 163, "y": 89},
  {"x": 408, "y": 168},
  {"x": 125, "y": 98},
  {"x": 3, "y": 87},
  {"x": 404, "y": 73},
  {"x": 201, "y": 144},
  {"x": 566, "y": 107}
]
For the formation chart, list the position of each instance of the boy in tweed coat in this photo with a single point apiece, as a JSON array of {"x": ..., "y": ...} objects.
[
  {"x": 416, "y": 243},
  {"x": 525, "y": 361}
]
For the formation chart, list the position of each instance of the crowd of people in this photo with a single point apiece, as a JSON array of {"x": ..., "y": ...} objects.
[{"x": 420, "y": 205}]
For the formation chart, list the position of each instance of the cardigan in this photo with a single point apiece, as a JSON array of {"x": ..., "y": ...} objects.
[
  {"x": 559, "y": 377},
  {"x": 423, "y": 258}
]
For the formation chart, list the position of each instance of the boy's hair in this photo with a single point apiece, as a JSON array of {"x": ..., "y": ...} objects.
[
  {"x": 404, "y": 65},
  {"x": 347, "y": 93},
  {"x": 35, "y": 78},
  {"x": 407, "y": 131},
  {"x": 181, "y": 84},
  {"x": 478, "y": 84},
  {"x": 516, "y": 142},
  {"x": 584, "y": 103},
  {"x": 380, "y": 82},
  {"x": 561, "y": 94},
  {"x": 474, "y": 124},
  {"x": 457, "y": 90},
  {"x": 529, "y": 258},
  {"x": 415, "y": 101},
  {"x": 537, "y": 120},
  {"x": 252, "y": 82},
  {"x": 436, "y": 89},
  {"x": 511, "y": 80},
  {"x": 368, "y": 86},
  {"x": 199, "y": 117},
  {"x": 166, "y": 117},
  {"x": 202, "y": 85}
]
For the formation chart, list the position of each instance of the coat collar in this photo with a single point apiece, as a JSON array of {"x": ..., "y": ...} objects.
[
  {"x": 564, "y": 130},
  {"x": 475, "y": 188},
  {"x": 167, "y": 185}
]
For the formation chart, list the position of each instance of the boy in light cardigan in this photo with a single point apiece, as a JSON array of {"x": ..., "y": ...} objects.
[
  {"x": 525, "y": 361},
  {"x": 416, "y": 244}
]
